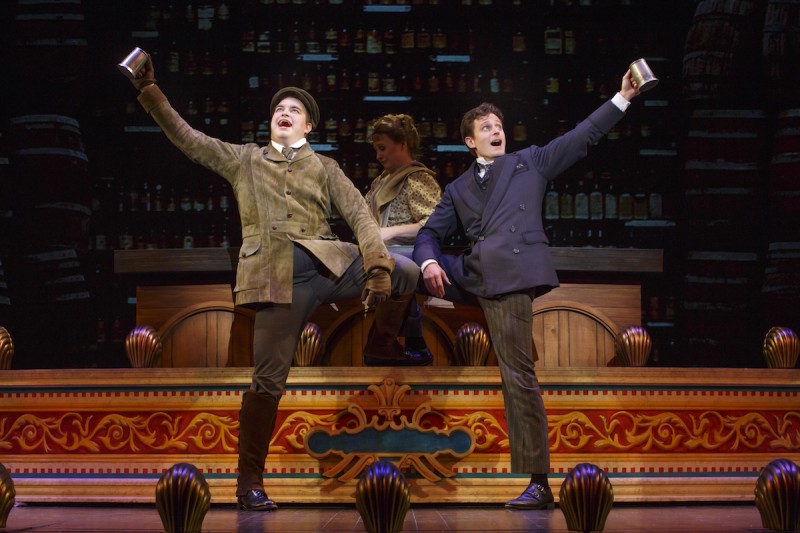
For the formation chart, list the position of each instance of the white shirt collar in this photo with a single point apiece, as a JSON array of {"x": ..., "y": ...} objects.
[{"x": 295, "y": 145}]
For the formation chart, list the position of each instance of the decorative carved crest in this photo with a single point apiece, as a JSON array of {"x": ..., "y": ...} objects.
[{"x": 415, "y": 439}]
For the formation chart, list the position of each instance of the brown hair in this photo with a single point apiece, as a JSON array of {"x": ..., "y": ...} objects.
[
  {"x": 400, "y": 129},
  {"x": 469, "y": 118}
]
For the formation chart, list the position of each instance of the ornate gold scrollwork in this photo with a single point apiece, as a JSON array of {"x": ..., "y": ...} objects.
[
  {"x": 114, "y": 433},
  {"x": 472, "y": 344},
  {"x": 710, "y": 430},
  {"x": 143, "y": 347},
  {"x": 359, "y": 437},
  {"x": 781, "y": 348},
  {"x": 633, "y": 346}
]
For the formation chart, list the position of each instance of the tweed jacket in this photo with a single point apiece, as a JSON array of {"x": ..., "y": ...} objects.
[
  {"x": 280, "y": 203},
  {"x": 508, "y": 249}
]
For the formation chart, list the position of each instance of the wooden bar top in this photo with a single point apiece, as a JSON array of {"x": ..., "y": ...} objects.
[{"x": 218, "y": 260}]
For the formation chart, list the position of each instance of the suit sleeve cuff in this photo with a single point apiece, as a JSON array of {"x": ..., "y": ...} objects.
[
  {"x": 151, "y": 97},
  {"x": 380, "y": 260}
]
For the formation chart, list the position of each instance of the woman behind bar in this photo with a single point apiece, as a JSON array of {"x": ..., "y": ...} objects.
[{"x": 401, "y": 199}]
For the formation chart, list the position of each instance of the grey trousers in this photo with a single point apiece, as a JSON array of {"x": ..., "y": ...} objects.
[
  {"x": 510, "y": 321},
  {"x": 278, "y": 326},
  {"x": 412, "y": 325}
]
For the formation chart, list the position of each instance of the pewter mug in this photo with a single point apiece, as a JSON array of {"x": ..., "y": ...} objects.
[
  {"x": 133, "y": 63},
  {"x": 642, "y": 75}
]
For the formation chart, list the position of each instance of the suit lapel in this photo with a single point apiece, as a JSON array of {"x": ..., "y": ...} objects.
[
  {"x": 473, "y": 196},
  {"x": 503, "y": 169}
]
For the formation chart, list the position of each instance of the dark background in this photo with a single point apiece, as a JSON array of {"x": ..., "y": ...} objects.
[{"x": 83, "y": 170}]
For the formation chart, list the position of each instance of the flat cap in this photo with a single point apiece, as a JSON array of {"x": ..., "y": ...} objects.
[{"x": 312, "y": 110}]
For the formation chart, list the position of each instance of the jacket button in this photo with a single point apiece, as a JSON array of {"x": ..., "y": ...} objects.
[
  {"x": 274, "y": 228},
  {"x": 289, "y": 169},
  {"x": 302, "y": 230},
  {"x": 289, "y": 215},
  {"x": 522, "y": 207},
  {"x": 516, "y": 250},
  {"x": 288, "y": 193},
  {"x": 513, "y": 229}
]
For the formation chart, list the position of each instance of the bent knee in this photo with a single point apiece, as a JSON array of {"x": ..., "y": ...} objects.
[{"x": 405, "y": 275}]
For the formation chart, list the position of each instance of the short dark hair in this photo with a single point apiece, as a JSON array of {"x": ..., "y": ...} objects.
[{"x": 469, "y": 118}]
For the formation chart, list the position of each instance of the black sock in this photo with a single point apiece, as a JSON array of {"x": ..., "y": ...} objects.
[{"x": 541, "y": 479}]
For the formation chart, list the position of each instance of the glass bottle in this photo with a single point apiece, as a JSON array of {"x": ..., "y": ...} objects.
[
  {"x": 581, "y": 202},
  {"x": 551, "y": 202},
  {"x": 566, "y": 203},
  {"x": 407, "y": 40},
  {"x": 423, "y": 38}
]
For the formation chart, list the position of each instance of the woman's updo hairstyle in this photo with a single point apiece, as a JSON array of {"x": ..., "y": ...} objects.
[{"x": 400, "y": 129}]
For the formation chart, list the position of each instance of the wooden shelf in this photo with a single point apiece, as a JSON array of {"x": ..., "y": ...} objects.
[{"x": 212, "y": 260}]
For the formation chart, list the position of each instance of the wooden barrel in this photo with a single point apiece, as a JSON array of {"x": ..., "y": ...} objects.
[
  {"x": 721, "y": 218},
  {"x": 5, "y": 298},
  {"x": 52, "y": 188},
  {"x": 718, "y": 307},
  {"x": 732, "y": 135},
  {"x": 781, "y": 288},
  {"x": 721, "y": 278},
  {"x": 725, "y": 148},
  {"x": 784, "y": 178},
  {"x": 50, "y": 40},
  {"x": 6, "y": 200},
  {"x": 781, "y": 49},
  {"x": 721, "y": 49}
]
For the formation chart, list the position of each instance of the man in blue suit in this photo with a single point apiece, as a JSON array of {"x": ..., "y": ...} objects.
[{"x": 498, "y": 202}]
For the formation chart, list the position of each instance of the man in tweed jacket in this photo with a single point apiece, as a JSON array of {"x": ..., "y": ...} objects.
[{"x": 290, "y": 262}]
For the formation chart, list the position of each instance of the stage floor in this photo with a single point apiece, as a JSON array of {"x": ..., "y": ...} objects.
[{"x": 624, "y": 518}]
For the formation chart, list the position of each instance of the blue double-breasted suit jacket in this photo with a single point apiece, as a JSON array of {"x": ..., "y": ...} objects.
[{"x": 508, "y": 249}]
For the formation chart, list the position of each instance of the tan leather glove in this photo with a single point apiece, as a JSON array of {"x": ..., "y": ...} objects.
[
  {"x": 146, "y": 76},
  {"x": 377, "y": 288}
]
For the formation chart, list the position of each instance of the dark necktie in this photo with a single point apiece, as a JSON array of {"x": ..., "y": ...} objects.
[
  {"x": 288, "y": 152},
  {"x": 487, "y": 175}
]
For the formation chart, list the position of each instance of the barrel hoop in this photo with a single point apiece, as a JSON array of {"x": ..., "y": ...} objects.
[{"x": 53, "y": 151}]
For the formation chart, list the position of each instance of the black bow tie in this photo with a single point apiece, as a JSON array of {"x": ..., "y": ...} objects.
[{"x": 487, "y": 174}]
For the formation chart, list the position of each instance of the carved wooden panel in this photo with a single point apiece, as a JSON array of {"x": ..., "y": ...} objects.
[
  {"x": 211, "y": 334},
  {"x": 574, "y": 325},
  {"x": 571, "y": 334}
]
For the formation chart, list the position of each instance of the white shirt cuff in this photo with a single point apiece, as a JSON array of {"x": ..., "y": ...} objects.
[
  {"x": 426, "y": 263},
  {"x": 620, "y": 101}
]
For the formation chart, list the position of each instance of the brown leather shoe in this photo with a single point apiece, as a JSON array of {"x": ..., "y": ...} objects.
[
  {"x": 533, "y": 498},
  {"x": 255, "y": 500}
]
